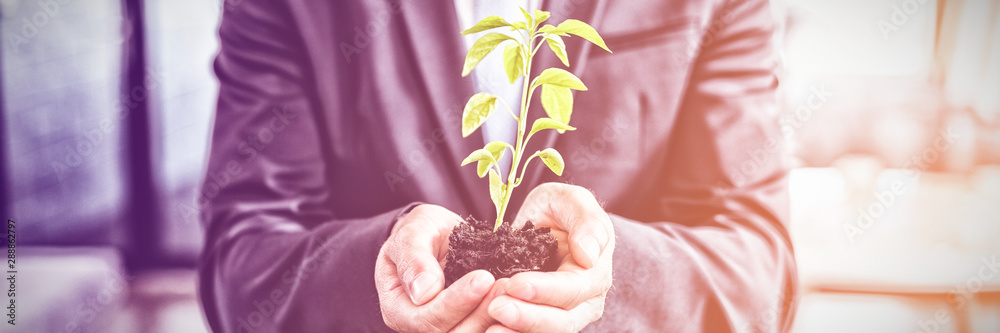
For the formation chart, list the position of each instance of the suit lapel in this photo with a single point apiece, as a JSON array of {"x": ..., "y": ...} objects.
[{"x": 438, "y": 52}]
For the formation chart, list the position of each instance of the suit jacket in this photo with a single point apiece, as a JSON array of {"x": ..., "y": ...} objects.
[{"x": 335, "y": 117}]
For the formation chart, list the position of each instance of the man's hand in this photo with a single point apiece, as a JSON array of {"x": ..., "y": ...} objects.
[
  {"x": 573, "y": 296},
  {"x": 410, "y": 280}
]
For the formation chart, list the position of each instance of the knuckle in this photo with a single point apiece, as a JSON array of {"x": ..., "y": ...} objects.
[
  {"x": 604, "y": 284},
  {"x": 394, "y": 250},
  {"x": 561, "y": 189},
  {"x": 409, "y": 217},
  {"x": 432, "y": 210},
  {"x": 550, "y": 186},
  {"x": 381, "y": 281},
  {"x": 421, "y": 224},
  {"x": 407, "y": 268},
  {"x": 383, "y": 253},
  {"x": 407, "y": 238},
  {"x": 413, "y": 225},
  {"x": 577, "y": 191},
  {"x": 551, "y": 189},
  {"x": 422, "y": 209},
  {"x": 396, "y": 241}
]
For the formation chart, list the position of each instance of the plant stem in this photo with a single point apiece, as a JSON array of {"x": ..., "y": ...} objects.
[
  {"x": 521, "y": 123},
  {"x": 508, "y": 109}
]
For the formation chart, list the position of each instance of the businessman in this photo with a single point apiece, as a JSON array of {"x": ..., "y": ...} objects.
[{"x": 334, "y": 178}]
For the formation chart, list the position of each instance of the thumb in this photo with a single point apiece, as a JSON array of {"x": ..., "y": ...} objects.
[
  {"x": 575, "y": 210},
  {"x": 418, "y": 269},
  {"x": 415, "y": 249},
  {"x": 480, "y": 320},
  {"x": 456, "y": 302}
]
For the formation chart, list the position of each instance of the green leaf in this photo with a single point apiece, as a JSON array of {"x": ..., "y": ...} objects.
[
  {"x": 558, "y": 103},
  {"x": 527, "y": 17},
  {"x": 541, "y": 16},
  {"x": 482, "y": 166},
  {"x": 558, "y": 77},
  {"x": 479, "y": 107},
  {"x": 481, "y": 48},
  {"x": 518, "y": 25},
  {"x": 490, "y": 22},
  {"x": 558, "y": 47},
  {"x": 497, "y": 188},
  {"x": 552, "y": 159},
  {"x": 549, "y": 123},
  {"x": 478, "y": 155},
  {"x": 550, "y": 29},
  {"x": 579, "y": 28},
  {"x": 487, "y": 156},
  {"x": 496, "y": 148},
  {"x": 484, "y": 158},
  {"x": 513, "y": 61}
]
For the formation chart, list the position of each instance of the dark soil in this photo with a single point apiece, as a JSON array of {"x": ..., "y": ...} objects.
[{"x": 473, "y": 245}]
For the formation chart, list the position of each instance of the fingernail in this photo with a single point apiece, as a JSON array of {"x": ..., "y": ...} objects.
[
  {"x": 481, "y": 284},
  {"x": 420, "y": 285},
  {"x": 505, "y": 313},
  {"x": 590, "y": 246},
  {"x": 523, "y": 291}
]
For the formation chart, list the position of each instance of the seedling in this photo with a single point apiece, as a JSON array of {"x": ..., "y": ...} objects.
[{"x": 556, "y": 95}]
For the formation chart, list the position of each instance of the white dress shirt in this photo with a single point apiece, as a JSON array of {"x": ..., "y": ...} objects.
[{"x": 489, "y": 75}]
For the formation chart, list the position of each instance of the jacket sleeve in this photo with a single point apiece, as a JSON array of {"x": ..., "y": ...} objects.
[
  {"x": 277, "y": 259},
  {"x": 722, "y": 260}
]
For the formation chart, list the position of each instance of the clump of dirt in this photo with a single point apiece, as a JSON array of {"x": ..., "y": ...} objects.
[{"x": 473, "y": 245}]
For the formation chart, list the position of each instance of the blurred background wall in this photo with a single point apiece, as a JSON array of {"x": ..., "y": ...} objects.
[
  {"x": 891, "y": 108},
  {"x": 893, "y": 112},
  {"x": 105, "y": 122}
]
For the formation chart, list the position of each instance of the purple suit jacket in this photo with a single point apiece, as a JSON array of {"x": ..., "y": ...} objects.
[{"x": 334, "y": 117}]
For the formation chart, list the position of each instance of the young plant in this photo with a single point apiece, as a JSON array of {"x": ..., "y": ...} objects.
[{"x": 556, "y": 93}]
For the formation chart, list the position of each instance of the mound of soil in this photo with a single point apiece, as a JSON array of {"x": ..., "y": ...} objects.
[{"x": 473, "y": 245}]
